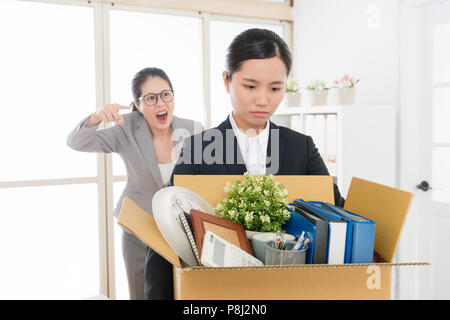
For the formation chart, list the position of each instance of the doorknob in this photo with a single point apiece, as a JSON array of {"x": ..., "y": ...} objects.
[{"x": 424, "y": 186}]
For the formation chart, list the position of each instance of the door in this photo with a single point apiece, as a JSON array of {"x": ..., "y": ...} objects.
[{"x": 425, "y": 148}]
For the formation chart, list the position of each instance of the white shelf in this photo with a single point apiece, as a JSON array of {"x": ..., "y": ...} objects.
[
  {"x": 286, "y": 111},
  {"x": 328, "y": 109},
  {"x": 364, "y": 139}
]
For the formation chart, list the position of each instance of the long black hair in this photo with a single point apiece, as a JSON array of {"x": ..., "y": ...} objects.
[
  {"x": 256, "y": 44},
  {"x": 142, "y": 76}
]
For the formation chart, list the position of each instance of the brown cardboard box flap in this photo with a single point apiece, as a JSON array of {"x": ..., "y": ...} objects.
[
  {"x": 386, "y": 206},
  {"x": 143, "y": 225},
  {"x": 211, "y": 187}
]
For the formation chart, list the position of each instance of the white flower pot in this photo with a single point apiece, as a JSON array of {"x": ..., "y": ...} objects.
[
  {"x": 258, "y": 245},
  {"x": 293, "y": 99},
  {"x": 345, "y": 95},
  {"x": 317, "y": 97},
  {"x": 251, "y": 233}
]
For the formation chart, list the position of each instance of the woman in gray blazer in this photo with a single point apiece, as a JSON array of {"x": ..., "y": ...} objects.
[{"x": 148, "y": 140}]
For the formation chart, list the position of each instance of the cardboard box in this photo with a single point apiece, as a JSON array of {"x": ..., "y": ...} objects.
[{"x": 386, "y": 206}]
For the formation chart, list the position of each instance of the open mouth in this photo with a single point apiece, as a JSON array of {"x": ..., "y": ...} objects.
[{"x": 162, "y": 116}]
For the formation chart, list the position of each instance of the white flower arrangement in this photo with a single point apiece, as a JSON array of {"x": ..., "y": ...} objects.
[
  {"x": 257, "y": 202},
  {"x": 345, "y": 82},
  {"x": 292, "y": 86},
  {"x": 317, "y": 85}
]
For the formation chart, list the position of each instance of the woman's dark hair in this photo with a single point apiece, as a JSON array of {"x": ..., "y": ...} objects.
[
  {"x": 142, "y": 76},
  {"x": 256, "y": 44}
]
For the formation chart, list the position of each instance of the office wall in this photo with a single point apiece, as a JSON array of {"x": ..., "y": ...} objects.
[
  {"x": 358, "y": 37},
  {"x": 333, "y": 37}
]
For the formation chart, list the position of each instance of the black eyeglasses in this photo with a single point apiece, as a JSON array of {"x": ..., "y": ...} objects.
[{"x": 151, "y": 99}]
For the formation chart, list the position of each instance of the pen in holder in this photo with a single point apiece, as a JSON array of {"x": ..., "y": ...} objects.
[
  {"x": 279, "y": 242},
  {"x": 288, "y": 255}
]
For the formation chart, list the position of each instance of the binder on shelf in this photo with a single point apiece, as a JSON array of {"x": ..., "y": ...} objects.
[
  {"x": 360, "y": 233},
  {"x": 319, "y": 134},
  {"x": 309, "y": 125},
  {"x": 295, "y": 225},
  {"x": 331, "y": 142},
  {"x": 296, "y": 123},
  {"x": 337, "y": 232}
]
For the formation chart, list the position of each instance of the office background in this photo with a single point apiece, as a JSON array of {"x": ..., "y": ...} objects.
[{"x": 60, "y": 60}]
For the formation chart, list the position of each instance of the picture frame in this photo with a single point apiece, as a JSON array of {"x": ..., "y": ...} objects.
[{"x": 230, "y": 231}]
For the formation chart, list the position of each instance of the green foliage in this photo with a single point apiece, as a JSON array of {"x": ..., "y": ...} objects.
[
  {"x": 317, "y": 85},
  {"x": 292, "y": 86},
  {"x": 257, "y": 202}
]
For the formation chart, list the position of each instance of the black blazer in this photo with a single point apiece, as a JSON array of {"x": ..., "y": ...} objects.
[{"x": 207, "y": 153}]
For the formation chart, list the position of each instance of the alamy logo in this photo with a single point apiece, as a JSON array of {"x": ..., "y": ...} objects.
[{"x": 374, "y": 280}]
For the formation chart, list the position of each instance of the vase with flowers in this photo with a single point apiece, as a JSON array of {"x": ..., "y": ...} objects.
[
  {"x": 293, "y": 94},
  {"x": 317, "y": 93},
  {"x": 256, "y": 202},
  {"x": 345, "y": 89}
]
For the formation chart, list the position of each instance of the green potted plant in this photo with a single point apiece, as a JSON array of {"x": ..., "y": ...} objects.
[
  {"x": 256, "y": 202},
  {"x": 293, "y": 94},
  {"x": 317, "y": 93},
  {"x": 345, "y": 89}
]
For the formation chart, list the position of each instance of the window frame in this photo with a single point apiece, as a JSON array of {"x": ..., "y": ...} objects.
[
  {"x": 207, "y": 10},
  {"x": 264, "y": 9}
]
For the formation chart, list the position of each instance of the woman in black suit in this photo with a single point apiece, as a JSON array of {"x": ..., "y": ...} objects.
[
  {"x": 258, "y": 63},
  {"x": 257, "y": 66}
]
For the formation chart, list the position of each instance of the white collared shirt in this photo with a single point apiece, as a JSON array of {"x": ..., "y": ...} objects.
[
  {"x": 166, "y": 171},
  {"x": 253, "y": 149}
]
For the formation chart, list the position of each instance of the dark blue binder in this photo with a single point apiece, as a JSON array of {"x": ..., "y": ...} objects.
[
  {"x": 316, "y": 229},
  {"x": 295, "y": 225},
  {"x": 360, "y": 232},
  {"x": 337, "y": 231}
]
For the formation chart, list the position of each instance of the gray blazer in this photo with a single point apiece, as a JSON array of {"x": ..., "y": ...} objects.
[{"x": 133, "y": 142}]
